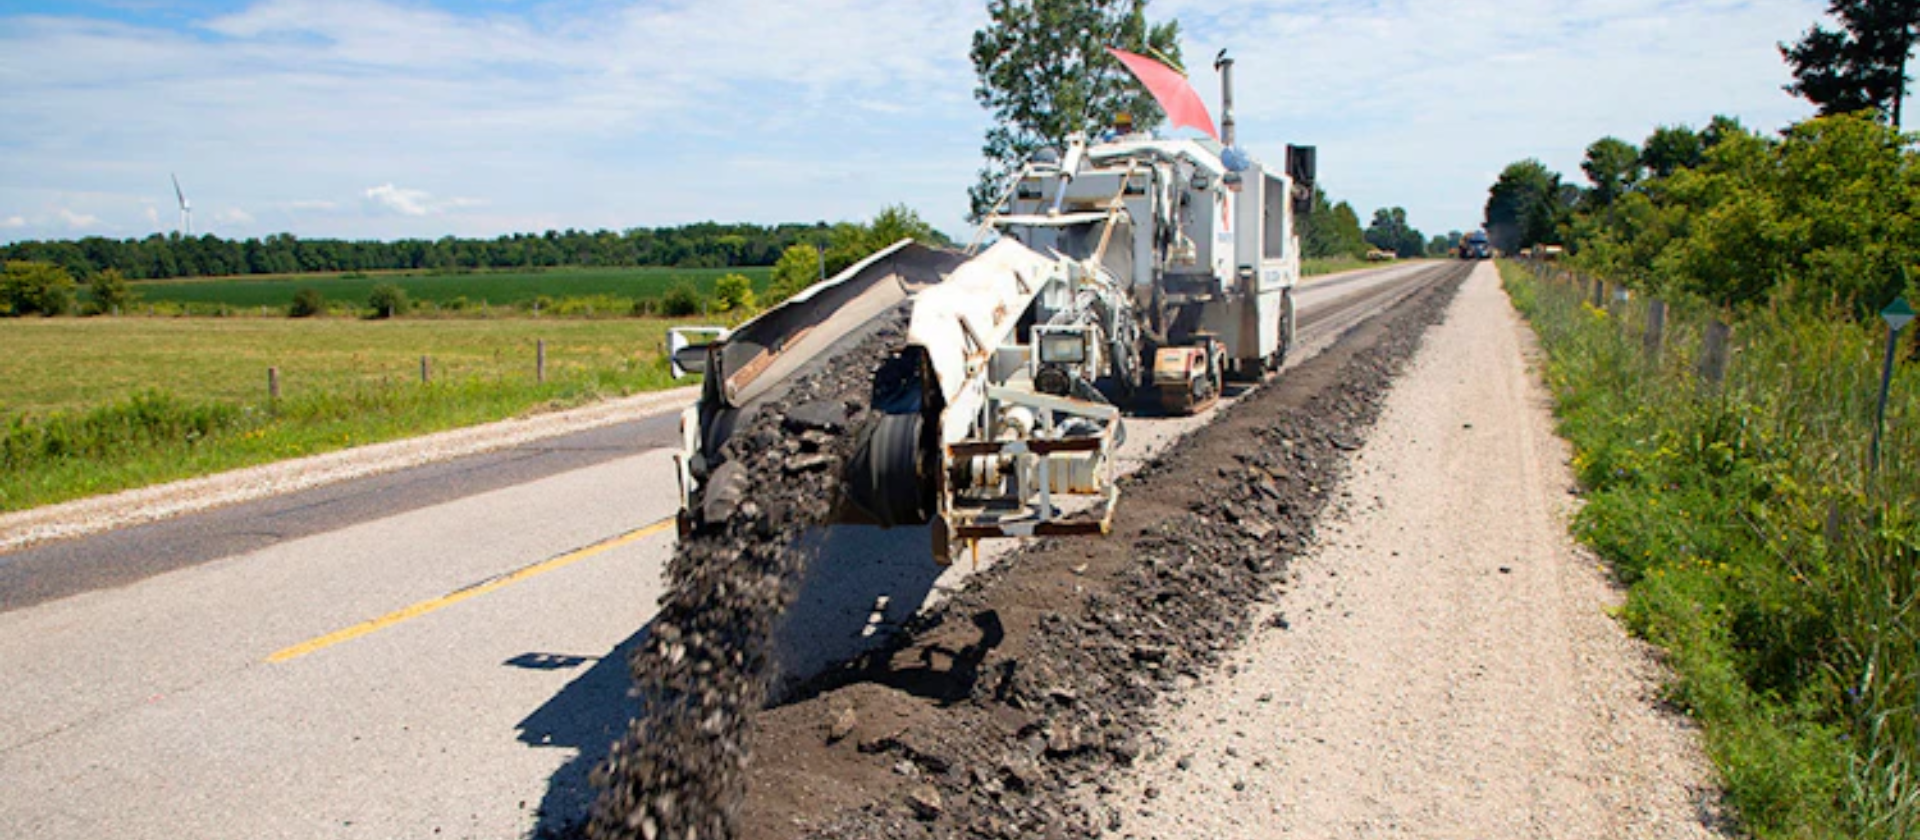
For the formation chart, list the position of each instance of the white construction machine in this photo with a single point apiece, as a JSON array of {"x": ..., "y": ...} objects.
[{"x": 1116, "y": 269}]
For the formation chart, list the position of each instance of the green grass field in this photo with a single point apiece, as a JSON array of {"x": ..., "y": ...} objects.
[
  {"x": 74, "y": 364},
  {"x": 90, "y": 406},
  {"x": 496, "y": 288}
]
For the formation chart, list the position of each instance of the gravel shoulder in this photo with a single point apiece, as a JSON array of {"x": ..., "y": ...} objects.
[{"x": 1443, "y": 662}]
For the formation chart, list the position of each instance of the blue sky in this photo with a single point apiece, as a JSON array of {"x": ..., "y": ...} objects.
[{"x": 402, "y": 118}]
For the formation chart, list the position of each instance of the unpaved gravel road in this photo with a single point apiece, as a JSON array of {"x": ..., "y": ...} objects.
[{"x": 1447, "y": 667}]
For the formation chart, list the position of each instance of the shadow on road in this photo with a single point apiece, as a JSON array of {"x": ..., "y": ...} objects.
[
  {"x": 586, "y": 717},
  {"x": 863, "y": 583}
]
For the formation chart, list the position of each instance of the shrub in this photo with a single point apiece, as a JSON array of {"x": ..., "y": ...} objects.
[
  {"x": 733, "y": 293},
  {"x": 36, "y": 288},
  {"x": 307, "y": 303},
  {"x": 387, "y": 301},
  {"x": 798, "y": 268},
  {"x": 109, "y": 293},
  {"x": 680, "y": 301}
]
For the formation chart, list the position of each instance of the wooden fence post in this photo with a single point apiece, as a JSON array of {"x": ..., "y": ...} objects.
[
  {"x": 426, "y": 371},
  {"x": 273, "y": 384},
  {"x": 1656, "y": 330},
  {"x": 1599, "y": 293},
  {"x": 1713, "y": 351},
  {"x": 540, "y": 360}
]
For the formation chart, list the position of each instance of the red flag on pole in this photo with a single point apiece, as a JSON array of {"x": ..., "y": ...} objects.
[{"x": 1171, "y": 90}]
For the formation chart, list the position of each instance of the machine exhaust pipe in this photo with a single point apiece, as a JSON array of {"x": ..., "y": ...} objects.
[{"x": 1225, "y": 65}]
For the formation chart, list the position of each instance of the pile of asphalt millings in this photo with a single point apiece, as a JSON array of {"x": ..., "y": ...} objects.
[
  {"x": 1003, "y": 712},
  {"x": 679, "y": 772}
]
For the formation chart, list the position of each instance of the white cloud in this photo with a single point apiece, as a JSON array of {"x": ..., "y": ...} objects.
[
  {"x": 403, "y": 201},
  {"x": 13, "y": 222},
  {"x": 1415, "y": 103},
  {"x": 78, "y": 221},
  {"x": 233, "y": 216},
  {"x": 388, "y": 198},
  {"x": 617, "y": 113}
]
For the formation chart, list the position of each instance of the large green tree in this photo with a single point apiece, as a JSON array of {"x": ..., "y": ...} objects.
[
  {"x": 1861, "y": 65},
  {"x": 1331, "y": 230},
  {"x": 1045, "y": 75},
  {"x": 1613, "y": 167},
  {"x": 1671, "y": 147},
  {"x": 1827, "y": 216},
  {"x": 1390, "y": 232},
  {"x": 1525, "y": 207}
]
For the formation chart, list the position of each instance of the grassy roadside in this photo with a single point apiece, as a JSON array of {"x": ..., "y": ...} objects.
[
  {"x": 1784, "y": 587},
  {"x": 198, "y": 398},
  {"x": 1315, "y": 266}
]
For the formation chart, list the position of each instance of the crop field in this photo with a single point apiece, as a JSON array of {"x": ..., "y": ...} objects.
[{"x": 495, "y": 288}]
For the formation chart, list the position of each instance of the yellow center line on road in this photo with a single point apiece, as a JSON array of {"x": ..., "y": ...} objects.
[{"x": 475, "y": 591}]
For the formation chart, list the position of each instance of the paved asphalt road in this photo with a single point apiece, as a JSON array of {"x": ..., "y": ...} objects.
[{"x": 436, "y": 652}]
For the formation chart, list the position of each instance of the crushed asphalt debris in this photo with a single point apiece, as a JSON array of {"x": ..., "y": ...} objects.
[{"x": 679, "y": 772}]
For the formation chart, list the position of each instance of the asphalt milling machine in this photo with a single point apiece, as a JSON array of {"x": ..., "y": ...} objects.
[{"x": 1131, "y": 274}]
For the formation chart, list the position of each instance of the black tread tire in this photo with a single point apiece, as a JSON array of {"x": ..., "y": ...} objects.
[{"x": 890, "y": 478}]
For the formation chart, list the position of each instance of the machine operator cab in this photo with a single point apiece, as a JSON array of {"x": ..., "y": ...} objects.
[{"x": 1201, "y": 236}]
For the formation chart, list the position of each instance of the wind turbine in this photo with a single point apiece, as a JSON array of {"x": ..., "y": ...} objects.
[{"x": 186, "y": 210}]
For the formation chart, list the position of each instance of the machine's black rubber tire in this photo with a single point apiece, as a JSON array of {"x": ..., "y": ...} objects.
[{"x": 891, "y": 477}]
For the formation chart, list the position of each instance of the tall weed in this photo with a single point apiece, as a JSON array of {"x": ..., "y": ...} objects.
[{"x": 1781, "y": 581}]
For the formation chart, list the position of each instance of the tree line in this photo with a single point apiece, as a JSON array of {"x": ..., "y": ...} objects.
[
  {"x": 1332, "y": 231},
  {"x": 47, "y": 287},
  {"x": 700, "y": 245},
  {"x": 1825, "y": 213}
]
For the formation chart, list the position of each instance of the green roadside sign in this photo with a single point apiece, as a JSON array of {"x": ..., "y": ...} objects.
[{"x": 1897, "y": 313}]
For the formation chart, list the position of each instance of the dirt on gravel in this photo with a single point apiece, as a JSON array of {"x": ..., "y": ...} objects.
[{"x": 1006, "y": 711}]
